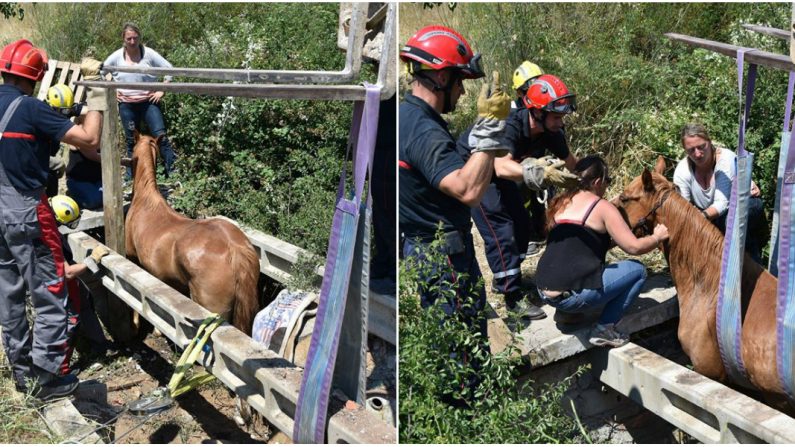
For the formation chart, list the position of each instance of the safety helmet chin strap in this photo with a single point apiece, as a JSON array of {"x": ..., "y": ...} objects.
[{"x": 447, "y": 89}]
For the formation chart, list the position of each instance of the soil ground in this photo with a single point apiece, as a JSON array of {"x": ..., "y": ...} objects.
[{"x": 204, "y": 415}]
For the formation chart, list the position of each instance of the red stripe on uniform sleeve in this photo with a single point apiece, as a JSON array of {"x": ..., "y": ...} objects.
[{"x": 21, "y": 136}]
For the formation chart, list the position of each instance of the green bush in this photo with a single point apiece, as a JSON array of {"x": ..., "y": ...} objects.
[
  {"x": 271, "y": 164},
  {"x": 498, "y": 410}
]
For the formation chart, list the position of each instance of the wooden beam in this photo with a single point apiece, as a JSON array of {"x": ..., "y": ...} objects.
[
  {"x": 226, "y": 74},
  {"x": 271, "y": 91},
  {"x": 770, "y": 31},
  {"x": 758, "y": 57}
]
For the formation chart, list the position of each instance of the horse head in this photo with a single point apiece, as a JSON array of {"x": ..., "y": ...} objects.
[
  {"x": 146, "y": 148},
  {"x": 643, "y": 197}
]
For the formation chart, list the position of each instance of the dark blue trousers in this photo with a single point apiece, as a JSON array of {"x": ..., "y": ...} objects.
[{"x": 504, "y": 225}]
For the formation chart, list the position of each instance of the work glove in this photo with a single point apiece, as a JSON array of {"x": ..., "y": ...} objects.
[
  {"x": 98, "y": 253},
  {"x": 541, "y": 173},
  {"x": 90, "y": 69},
  {"x": 96, "y": 98},
  {"x": 57, "y": 165},
  {"x": 493, "y": 107}
]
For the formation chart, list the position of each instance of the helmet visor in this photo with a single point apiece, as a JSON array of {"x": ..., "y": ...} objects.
[
  {"x": 473, "y": 69},
  {"x": 565, "y": 104}
]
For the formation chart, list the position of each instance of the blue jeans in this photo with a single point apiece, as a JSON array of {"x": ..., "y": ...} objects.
[
  {"x": 621, "y": 284},
  {"x": 88, "y": 195},
  {"x": 132, "y": 114}
]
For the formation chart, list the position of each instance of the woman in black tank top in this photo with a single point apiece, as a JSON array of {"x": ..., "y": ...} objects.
[{"x": 572, "y": 275}]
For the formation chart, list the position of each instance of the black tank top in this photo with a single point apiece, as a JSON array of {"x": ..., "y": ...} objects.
[{"x": 574, "y": 258}]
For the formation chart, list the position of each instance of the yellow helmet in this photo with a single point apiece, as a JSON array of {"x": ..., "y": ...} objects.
[
  {"x": 524, "y": 73},
  {"x": 66, "y": 210},
  {"x": 60, "y": 96}
]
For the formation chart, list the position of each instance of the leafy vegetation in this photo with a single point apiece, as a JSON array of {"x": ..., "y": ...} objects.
[
  {"x": 271, "y": 164},
  {"x": 636, "y": 88},
  {"x": 498, "y": 410}
]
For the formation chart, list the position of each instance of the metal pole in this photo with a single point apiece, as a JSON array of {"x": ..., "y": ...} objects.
[{"x": 758, "y": 57}]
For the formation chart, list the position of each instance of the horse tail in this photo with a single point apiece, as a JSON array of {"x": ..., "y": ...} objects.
[{"x": 246, "y": 265}]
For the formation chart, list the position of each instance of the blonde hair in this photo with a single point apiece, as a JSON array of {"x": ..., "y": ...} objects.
[
  {"x": 129, "y": 26},
  {"x": 694, "y": 130}
]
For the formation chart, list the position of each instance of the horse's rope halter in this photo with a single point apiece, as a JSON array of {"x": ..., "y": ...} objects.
[{"x": 641, "y": 224}]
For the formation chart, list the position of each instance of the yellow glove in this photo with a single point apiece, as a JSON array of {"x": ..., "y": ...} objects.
[
  {"x": 556, "y": 175},
  {"x": 90, "y": 68},
  {"x": 496, "y": 105},
  {"x": 487, "y": 135},
  {"x": 98, "y": 253}
]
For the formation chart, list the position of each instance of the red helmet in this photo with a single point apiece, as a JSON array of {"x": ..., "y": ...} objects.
[
  {"x": 550, "y": 94},
  {"x": 437, "y": 47},
  {"x": 21, "y": 58}
]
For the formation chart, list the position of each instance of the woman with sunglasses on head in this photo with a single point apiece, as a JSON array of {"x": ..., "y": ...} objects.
[
  {"x": 704, "y": 177},
  {"x": 572, "y": 275}
]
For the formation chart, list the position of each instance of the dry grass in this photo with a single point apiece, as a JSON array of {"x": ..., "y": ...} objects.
[
  {"x": 12, "y": 29},
  {"x": 20, "y": 422}
]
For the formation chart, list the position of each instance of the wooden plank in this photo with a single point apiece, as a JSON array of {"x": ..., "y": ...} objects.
[
  {"x": 63, "y": 75},
  {"x": 46, "y": 81},
  {"x": 758, "y": 57},
  {"x": 770, "y": 31},
  {"x": 305, "y": 92}
]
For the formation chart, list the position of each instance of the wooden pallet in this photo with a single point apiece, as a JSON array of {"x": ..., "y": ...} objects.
[{"x": 62, "y": 72}]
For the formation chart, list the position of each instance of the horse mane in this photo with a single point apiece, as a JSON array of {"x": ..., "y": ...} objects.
[
  {"x": 695, "y": 244},
  {"x": 145, "y": 187}
]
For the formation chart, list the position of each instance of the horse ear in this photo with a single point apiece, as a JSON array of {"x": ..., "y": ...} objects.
[
  {"x": 136, "y": 135},
  {"x": 648, "y": 182},
  {"x": 659, "y": 166}
]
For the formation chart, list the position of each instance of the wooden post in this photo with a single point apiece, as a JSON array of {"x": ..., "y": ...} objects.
[
  {"x": 119, "y": 316},
  {"x": 111, "y": 177}
]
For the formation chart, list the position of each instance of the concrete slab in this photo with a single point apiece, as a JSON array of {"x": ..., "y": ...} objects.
[
  {"x": 546, "y": 341},
  {"x": 63, "y": 419}
]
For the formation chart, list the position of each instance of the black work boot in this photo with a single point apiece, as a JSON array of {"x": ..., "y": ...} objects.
[
  {"x": 50, "y": 386},
  {"x": 519, "y": 304}
]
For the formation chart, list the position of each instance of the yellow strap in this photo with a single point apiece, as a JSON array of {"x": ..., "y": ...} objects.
[{"x": 177, "y": 385}]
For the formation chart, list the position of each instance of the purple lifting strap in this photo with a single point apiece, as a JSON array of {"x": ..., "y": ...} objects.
[
  {"x": 786, "y": 145},
  {"x": 785, "y": 302},
  {"x": 312, "y": 406},
  {"x": 729, "y": 305}
]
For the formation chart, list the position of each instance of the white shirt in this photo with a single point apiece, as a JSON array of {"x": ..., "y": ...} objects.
[{"x": 718, "y": 192}]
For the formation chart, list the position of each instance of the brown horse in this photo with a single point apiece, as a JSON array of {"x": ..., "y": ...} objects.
[
  {"x": 210, "y": 260},
  {"x": 694, "y": 252}
]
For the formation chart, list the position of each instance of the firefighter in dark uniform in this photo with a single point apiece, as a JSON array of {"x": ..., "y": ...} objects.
[
  {"x": 501, "y": 218},
  {"x": 437, "y": 186},
  {"x": 31, "y": 254}
]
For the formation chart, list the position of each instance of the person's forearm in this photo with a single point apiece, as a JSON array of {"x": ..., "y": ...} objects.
[
  {"x": 507, "y": 168},
  {"x": 468, "y": 184},
  {"x": 477, "y": 175}
]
